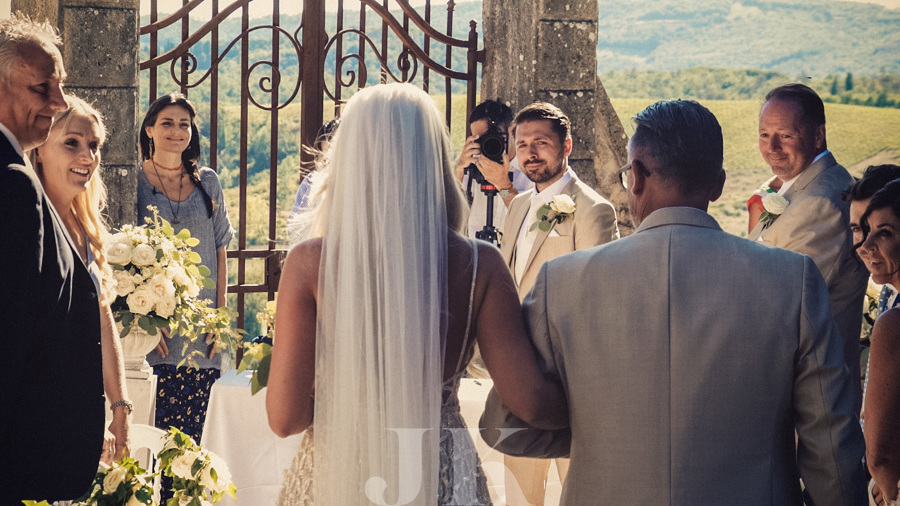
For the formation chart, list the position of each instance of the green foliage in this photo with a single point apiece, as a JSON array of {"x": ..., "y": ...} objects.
[{"x": 848, "y": 83}]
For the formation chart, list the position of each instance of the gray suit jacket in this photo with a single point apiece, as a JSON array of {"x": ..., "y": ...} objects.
[
  {"x": 594, "y": 223},
  {"x": 687, "y": 380},
  {"x": 816, "y": 223}
]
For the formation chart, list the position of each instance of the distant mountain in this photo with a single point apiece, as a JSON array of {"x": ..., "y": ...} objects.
[{"x": 795, "y": 37}]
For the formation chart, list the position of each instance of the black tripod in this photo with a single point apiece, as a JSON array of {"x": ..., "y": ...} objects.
[{"x": 489, "y": 231}]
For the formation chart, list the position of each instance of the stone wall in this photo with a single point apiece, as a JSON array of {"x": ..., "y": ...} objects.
[
  {"x": 100, "y": 53},
  {"x": 546, "y": 51}
]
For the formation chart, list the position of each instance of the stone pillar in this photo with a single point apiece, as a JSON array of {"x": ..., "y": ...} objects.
[
  {"x": 546, "y": 50},
  {"x": 100, "y": 52}
]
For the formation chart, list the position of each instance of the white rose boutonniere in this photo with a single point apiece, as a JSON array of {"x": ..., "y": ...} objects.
[
  {"x": 557, "y": 211},
  {"x": 774, "y": 205}
]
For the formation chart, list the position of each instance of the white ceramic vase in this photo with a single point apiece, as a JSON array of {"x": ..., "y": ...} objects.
[{"x": 135, "y": 347}]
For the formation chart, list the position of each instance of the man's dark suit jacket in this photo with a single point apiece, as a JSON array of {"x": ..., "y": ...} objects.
[{"x": 51, "y": 378}]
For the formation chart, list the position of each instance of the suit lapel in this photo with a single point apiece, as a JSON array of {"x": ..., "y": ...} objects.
[
  {"x": 518, "y": 208},
  {"x": 569, "y": 189}
]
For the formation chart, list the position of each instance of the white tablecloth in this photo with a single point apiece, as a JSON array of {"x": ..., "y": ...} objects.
[{"x": 237, "y": 429}]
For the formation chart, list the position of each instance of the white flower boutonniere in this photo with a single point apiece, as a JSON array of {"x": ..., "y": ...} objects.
[
  {"x": 561, "y": 207},
  {"x": 774, "y": 205}
]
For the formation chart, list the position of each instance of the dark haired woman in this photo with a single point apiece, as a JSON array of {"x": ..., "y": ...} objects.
[
  {"x": 880, "y": 250},
  {"x": 190, "y": 197}
]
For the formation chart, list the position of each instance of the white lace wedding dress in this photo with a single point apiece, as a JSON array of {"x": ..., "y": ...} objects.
[{"x": 461, "y": 479}]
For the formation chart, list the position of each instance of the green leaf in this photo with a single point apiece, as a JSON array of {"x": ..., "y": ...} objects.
[
  {"x": 208, "y": 283},
  {"x": 194, "y": 257},
  {"x": 544, "y": 225},
  {"x": 144, "y": 323},
  {"x": 184, "y": 234},
  {"x": 192, "y": 241},
  {"x": 204, "y": 271}
]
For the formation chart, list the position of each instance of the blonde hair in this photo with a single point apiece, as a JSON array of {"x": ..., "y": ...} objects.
[{"x": 89, "y": 205}]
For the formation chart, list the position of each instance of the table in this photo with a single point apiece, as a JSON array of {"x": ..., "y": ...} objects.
[{"x": 237, "y": 429}]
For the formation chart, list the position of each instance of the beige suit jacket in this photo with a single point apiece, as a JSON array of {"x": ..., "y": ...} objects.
[
  {"x": 816, "y": 223},
  {"x": 687, "y": 379},
  {"x": 594, "y": 223}
]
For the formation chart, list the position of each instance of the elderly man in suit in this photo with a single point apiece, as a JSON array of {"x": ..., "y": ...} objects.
[
  {"x": 51, "y": 400},
  {"x": 816, "y": 220},
  {"x": 689, "y": 356},
  {"x": 559, "y": 215}
]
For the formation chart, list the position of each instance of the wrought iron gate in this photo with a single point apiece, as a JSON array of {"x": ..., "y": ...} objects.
[{"x": 322, "y": 55}]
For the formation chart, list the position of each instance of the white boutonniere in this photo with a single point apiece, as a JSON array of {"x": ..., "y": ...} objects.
[
  {"x": 557, "y": 211},
  {"x": 774, "y": 204}
]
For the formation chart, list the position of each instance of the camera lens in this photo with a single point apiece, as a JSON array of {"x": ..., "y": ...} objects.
[{"x": 493, "y": 147}]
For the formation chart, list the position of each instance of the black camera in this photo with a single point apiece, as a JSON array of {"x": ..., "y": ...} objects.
[{"x": 493, "y": 144}]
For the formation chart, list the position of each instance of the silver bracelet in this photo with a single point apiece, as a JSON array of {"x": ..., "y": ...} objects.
[{"x": 129, "y": 407}]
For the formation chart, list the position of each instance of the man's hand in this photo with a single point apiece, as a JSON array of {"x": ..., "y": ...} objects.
[
  {"x": 496, "y": 173},
  {"x": 211, "y": 340},
  {"x": 470, "y": 154},
  {"x": 162, "y": 348}
]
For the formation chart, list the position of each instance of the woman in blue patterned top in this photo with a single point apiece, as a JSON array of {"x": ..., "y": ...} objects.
[{"x": 190, "y": 197}]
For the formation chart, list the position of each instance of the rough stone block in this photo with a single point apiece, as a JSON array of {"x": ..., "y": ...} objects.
[
  {"x": 569, "y": 9},
  {"x": 119, "y": 109},
  {"x": 120, "y": 4},
  {"x": 570, "y": 49},
  {"x": 579, "y": 106},
  {"x": 121, "y": 182},
  {"x": 107, "y": 53}
]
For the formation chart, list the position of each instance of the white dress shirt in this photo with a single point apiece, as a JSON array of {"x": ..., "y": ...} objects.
[{"x": 527, "y": 236}]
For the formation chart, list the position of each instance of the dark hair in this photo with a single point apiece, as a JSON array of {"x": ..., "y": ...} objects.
[
  {"x": 889, "y": 196},
  {"x": 190, "y": 157},
  {"x": 544, "y": 111},
  {"x": 684, "y": 139},
  {"x": 873, "y": 179},
  {"x": 805, "y": 97},
  {"x": 492, "y": 110}
]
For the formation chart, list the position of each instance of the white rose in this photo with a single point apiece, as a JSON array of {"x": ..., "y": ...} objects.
[
  {"x": 177, "y": 274},
  {"x": 141, "y": 300},
  {"x": 192, "y": 288},
  {"x": 161, "y": 286},
  {"x": 224, "y": 477},
  {"x": 181, "y": 465},
  {"x": 124, "y": 283},
  {"x": 113, "y": 479},
  {"x": 143, "y": 254},
  {"x": 563, "y": 204},
  {"x": 165, "y": 307},
  {"x": 118, "y": 251},
  {"x": 774, "y": 203}
]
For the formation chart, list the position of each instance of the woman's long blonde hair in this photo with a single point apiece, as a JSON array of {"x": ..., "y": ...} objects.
[{"x": 89, "y": 205}]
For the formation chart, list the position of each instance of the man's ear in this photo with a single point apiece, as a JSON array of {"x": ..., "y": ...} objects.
[
  {"x": 567, "y": 147},
  {"x": 820, "y": 137},
  {"x": 639, "y": 175},
  {"x": 715, "y": 190}
]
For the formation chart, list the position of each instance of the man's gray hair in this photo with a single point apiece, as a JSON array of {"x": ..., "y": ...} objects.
[
  {"x": 684, "y": 140},
  {"x": 18, "y": 32}
]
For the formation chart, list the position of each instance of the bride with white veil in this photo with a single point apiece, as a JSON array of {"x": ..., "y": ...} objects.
[{"x": 378, "y": 315}]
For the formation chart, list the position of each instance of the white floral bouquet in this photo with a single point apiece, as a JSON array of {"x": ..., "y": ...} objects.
[
  {"x": 158, "y": 278},
  {"x": 123, "y": 483},
  {"x": 199, "y": 477}
]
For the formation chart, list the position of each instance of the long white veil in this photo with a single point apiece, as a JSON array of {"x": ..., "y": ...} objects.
[{"x": 382, "y": 302}]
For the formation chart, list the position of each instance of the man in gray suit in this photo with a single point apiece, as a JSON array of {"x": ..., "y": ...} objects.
[
  {"x": 816, "y": 220},
  {"x": 689, "y": 356}
]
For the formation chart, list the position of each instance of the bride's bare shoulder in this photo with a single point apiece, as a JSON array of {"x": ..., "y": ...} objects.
[{"x": 302, "y": 262}]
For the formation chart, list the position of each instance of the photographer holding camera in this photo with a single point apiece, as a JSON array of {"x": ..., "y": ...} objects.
[{"x": 490, "y": 122}]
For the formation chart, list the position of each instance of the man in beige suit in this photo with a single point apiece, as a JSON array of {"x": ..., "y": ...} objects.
[
  {"x": 543, "y": 142},
  {"x": 689, "y": 356},
  {"x": 816, "y": 221}
]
